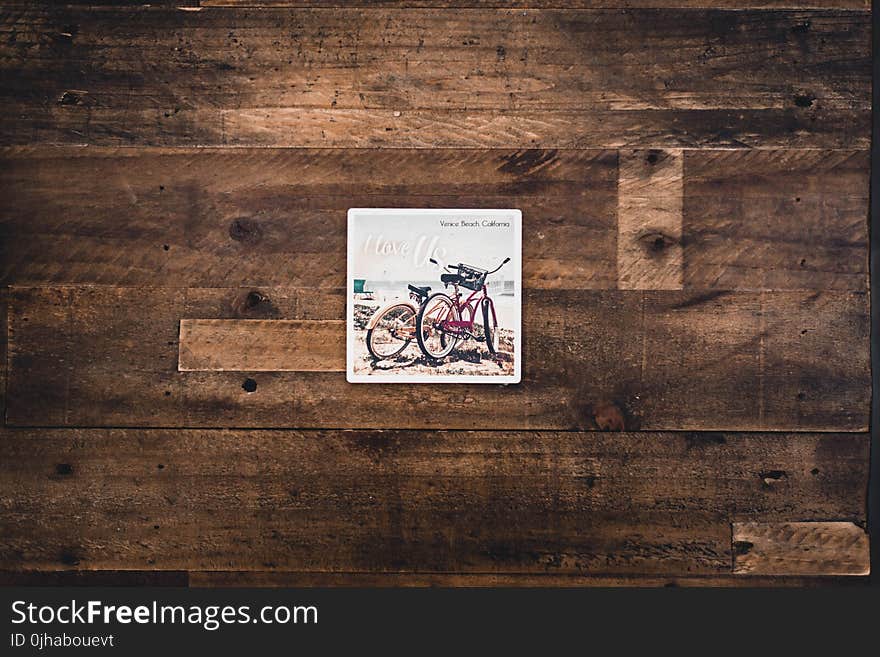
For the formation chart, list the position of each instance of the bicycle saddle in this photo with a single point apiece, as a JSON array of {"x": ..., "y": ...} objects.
[
  {"x": 450, "y": 278},
  {"x": 421, "y": 291}
]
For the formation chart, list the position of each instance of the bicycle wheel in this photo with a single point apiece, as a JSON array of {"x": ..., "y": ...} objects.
[
  {"x": 434, "y": 341},
  {"x": 392, "y": 332},
  {"x": 490, "y": 327}
]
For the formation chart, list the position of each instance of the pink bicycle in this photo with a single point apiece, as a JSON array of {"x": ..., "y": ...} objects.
[{"x": 443, "y": 320}]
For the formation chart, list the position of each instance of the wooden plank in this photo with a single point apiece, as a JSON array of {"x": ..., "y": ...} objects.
[
  {"x": 93, "y": 578},
  {"x": 396, "y": 502},
  {"x": 649, "y": 217},
  {"x": 262, "y": 345},
  {"x": 277, "y": 217},
  {"x": 800, "y": 548},
  {"x": 414, "y": 78},
  {"x": 676, "y": 360},
  {"x": 776, "y": 220},
  {"x": 270, "y": 217},
  {"x": 541, "y": 4},
  {"x": 209, "y": 579},
  {"x": 4, "y": 341}
]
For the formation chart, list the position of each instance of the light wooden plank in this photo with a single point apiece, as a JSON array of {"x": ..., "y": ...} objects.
[
  {"x": 800, "y": 548},
  {"x": 261, "y": 345},
  {"x": 649, "y": 219},
  {"x": 490, "y": 502}
]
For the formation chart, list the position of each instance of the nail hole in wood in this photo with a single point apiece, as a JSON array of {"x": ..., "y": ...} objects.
[
  {"x": 249, "y": 385},
  {"x": 245, "y": 230},
  {"x": 68, "y": 557},
  {"x": 742, "y": 547}
]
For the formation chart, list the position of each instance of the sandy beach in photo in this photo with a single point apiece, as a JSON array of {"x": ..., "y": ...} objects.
[{"x": 470, "y": 357}]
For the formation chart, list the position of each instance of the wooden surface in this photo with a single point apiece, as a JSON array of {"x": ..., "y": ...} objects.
[
  {"x": 800, "y": 548},
  {"x": 261, "y": 345},
  {"x": 693, "y": 178}
]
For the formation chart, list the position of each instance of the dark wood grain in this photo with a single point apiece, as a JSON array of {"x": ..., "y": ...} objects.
[
  {"x": 481, "y": 502},
  {"x": 771, "y": 220},
  {"x": 277, "y": 217},
  {"x": 94, "y": 578},
  {"x": 536, "y": 4},
  {"x": 413, "y": 78},
  {"x": 781, "y": 220},
  {"x": 209, "y": 579},
  {"x": 96, "y": 356}
]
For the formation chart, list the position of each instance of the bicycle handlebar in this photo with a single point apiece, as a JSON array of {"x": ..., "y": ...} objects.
[
  {"x": 506, "y": 260},
  {"x": 449, "y": 267}
]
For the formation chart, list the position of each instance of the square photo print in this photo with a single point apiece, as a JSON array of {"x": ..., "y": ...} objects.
[{"x": 434, "y": 296}]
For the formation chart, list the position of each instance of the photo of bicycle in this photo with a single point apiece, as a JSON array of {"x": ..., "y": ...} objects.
[{"x": 413, "y": 319}]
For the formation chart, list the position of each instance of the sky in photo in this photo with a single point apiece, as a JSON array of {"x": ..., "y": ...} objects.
[{"x": 397, "y": 247}]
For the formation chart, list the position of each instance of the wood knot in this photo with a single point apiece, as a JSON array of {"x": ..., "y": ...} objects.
[
  {"x": 804, "y": 100},
  {"x": 245, "y": 230},
  {"x": 655, "y": 243},
  {"x": 609, "y": 417},
  {"x": 253, "y": 303},
  {"x": 70, "y": 98},
  {"x": 253, "y": 299},
  {"x": 653, "y": 156}
]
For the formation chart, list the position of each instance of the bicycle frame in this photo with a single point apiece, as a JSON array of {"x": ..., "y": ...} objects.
[{"x": 476, "y": 298}]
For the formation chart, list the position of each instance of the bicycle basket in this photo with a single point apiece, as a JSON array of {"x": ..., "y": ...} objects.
[{"x": 473, "y": 278}]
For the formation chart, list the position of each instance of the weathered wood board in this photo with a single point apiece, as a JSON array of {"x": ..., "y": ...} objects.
[
  {"x": 483, "y": 502},
  {"x": 779, "y": 220},
  {"x": 800, "y": 548},
  {"x": 392, "y": 77},
  {"x": 262, "y": 345},
  {"x": 99, "y": 356}
]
